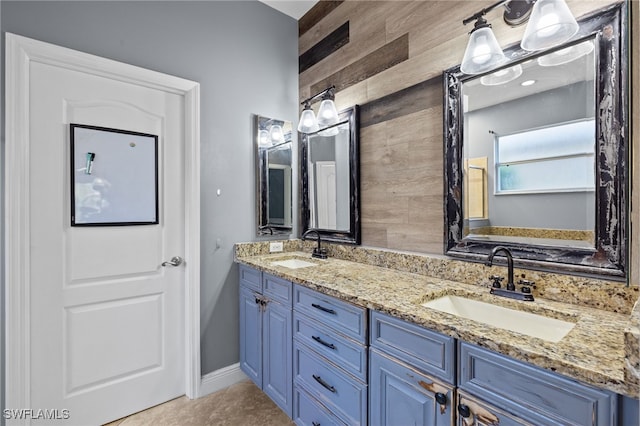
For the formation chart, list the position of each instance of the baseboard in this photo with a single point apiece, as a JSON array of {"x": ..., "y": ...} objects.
[{"x": 220, "y": 379}]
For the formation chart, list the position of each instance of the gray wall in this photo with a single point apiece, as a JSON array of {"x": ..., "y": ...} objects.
[
  {"x": 569, "y": 210},
  {"x": 245, "y": 56}
]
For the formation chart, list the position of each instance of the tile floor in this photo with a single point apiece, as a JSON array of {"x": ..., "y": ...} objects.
[{"x": 242, "y": 404}]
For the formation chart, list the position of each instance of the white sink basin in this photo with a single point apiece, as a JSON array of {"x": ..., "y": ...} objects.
[
  {"x": 293, "y": 263},
  {"x": 550, "y": 329}
]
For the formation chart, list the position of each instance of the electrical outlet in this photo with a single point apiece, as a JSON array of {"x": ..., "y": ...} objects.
[{"x": 275, "y": 247}]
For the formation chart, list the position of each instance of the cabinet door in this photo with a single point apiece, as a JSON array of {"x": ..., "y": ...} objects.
[
  {"x": 250, "y": 335},
  {"x": 277, "y": 380},
  {"x": 401, "y": 395},
  {"x": 475, "y": 412}
]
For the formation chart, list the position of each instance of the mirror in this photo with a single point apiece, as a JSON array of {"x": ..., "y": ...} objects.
[
  {"x": 273, "y": 176},
  {"x": 330, "y": 176},
  {"x": 536, "y": 154}
]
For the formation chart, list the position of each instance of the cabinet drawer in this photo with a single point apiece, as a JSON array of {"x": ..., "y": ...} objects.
[
  {"x": 251, "y": 278},
  {"x": 338, "y": 349},
  {"x": 341, "y": 316},
  {"x": 339, "y": 392},
  {"x": 432, "y": 352},
  {"x": 276, "y": 288},
  {"x": 539, "y": 396},
  {"x": 309, "y": 412}
]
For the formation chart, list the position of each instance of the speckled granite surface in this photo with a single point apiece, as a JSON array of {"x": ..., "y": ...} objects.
[{"x": 601, "y": 349}]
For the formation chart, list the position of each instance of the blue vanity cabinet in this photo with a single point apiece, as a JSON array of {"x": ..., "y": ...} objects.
[
  {"x": 266, "y": 334},
  {"x": 411, "y": 378},
  {"x": 529, "y": 393},
  {"x": 329, "y": 360}
]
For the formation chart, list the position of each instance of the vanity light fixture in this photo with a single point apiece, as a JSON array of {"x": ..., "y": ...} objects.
[
  {"x": 483, "y": 51},
  {"x": 327, "y": 114},
  {"x": 551, "y": 23}
]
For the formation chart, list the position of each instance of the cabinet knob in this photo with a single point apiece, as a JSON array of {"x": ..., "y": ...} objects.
[
  {"x": 441, "y": 398},
  {"x": 464, "y": 411}
]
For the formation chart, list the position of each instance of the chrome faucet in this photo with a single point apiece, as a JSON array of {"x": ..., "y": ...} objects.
[
  {"x": 318, "y": 252},
  {"x": 510, "y": 291}
]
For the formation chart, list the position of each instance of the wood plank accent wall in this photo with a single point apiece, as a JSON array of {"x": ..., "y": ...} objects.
[
  {"x": 324, "y": 48},
  {"x": 401, "y": 105}
]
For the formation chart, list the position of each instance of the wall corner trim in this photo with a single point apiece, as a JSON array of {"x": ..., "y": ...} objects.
[{"x": 220, "y": 379}]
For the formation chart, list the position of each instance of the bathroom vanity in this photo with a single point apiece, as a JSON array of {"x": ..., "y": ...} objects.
[{"x": 365, "y": 351}]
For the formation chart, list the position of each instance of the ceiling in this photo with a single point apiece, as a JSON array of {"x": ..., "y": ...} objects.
[{"x": 294, "y": 8}]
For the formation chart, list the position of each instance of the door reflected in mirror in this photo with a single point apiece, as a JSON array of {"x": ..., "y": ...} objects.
[
  {"x": 273, "y": 176},
  {"x": 529, "y": 151},
  {"x": 330, "y": 180},
  {"x": 328, "y": 166}
]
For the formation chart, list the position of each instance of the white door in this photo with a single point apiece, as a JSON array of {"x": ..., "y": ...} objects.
[
  {"x": 107, "y": 320},
  {"x": 327, "y": 202}
]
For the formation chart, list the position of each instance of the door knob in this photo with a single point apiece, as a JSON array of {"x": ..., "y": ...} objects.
[{"x": 175, "y": 261}]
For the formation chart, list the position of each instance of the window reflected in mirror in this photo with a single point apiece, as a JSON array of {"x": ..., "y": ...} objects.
[{"x": 529, "y": 150}]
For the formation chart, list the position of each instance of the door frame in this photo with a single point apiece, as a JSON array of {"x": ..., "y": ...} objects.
[{"x": 20, "y": 52}]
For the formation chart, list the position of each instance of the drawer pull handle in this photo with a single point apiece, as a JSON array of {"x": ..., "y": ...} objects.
[
  {"x": 322, "y": 342},
  {"x": 324, "y": 384},
  {"x": 323, "y": 309}
]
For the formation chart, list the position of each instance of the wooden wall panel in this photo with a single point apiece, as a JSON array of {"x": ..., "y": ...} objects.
[
  {"x": 316, "y": 14},
  {"x": 401, "y": 132},
  {"x": 375, "y": 62},
  {"x": 325, "y": 47}
]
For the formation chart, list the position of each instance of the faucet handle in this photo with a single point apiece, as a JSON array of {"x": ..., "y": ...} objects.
[
  {"x": 496, "y": 281},
  {"x": 319, "y": 254},
  {"x": 526, "y": 285}
]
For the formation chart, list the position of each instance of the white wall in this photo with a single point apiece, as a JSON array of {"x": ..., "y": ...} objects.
[{"x": 245, "y": 56}]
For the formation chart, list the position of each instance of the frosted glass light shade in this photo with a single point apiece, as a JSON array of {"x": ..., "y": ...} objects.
[
  {"x": 483, "y": 52},
  {"x": 276, "y": 133},
  {"x": 502, "y": 76},
  {"x": 308, "y": 122},
  {"x": 566, "y": 55},
  {"x": 264, "y": 138},
  {"x": 327, "y": 114},
  {"x": 551, "y": 23}
]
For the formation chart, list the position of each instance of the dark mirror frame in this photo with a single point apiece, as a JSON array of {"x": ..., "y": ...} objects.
[
  {"x": 609, "y": 257},
  {"x": 353, "y": 235},
  {"x": 263, "y": 227}
]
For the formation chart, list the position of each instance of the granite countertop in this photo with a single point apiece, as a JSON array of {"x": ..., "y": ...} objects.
[{"x": 592, "y": 352}]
